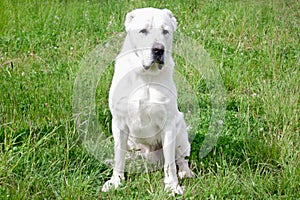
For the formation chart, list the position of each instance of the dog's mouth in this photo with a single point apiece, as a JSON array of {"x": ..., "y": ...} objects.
[{"x": 157, "y": 62}]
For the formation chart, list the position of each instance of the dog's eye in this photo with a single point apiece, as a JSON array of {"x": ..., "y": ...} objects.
[
  {"x": 144, "y": 31},
  {"x": 165, "y": 32}
]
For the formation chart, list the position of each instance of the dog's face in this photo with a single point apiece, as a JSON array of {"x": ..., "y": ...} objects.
[{"x": 150, "y": 32}]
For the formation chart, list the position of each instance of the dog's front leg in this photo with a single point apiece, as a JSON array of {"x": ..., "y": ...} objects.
[
  {"x": 120, "y": 147},
  {"x": 171, "y": 180}
]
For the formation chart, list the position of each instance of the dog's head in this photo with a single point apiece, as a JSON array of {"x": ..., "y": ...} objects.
[{"x": 150, "y": 33}]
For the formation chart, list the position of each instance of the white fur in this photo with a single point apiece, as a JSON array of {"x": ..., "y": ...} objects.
[{"x": 143, "y": 102}]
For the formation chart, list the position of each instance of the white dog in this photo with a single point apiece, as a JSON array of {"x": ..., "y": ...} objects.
[{"x": 143, "y": 98}]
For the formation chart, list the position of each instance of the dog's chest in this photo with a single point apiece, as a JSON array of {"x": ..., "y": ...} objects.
[
  {"x": 148, "y": 109},
  {"x": 142, "y": 105}
]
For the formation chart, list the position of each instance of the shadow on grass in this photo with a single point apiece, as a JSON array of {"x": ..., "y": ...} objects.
[{"x": 250, "y": 152}]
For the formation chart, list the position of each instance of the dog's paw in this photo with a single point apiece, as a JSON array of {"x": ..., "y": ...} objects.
[
  {"x": 113, "y": 183},
  {"x": 174, "y": 189},
  {"x": 186, "y": 174}
]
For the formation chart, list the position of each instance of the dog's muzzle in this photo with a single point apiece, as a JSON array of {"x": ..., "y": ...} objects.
[{"x": 157, "y": 51}]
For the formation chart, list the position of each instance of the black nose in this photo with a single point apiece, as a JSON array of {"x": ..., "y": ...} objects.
[{"x": 158, "y": 49}]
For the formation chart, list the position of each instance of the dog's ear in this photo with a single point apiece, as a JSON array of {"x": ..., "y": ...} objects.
[
  {"x": 128, "y": 19},
  {"x": 173, "y": 19}
]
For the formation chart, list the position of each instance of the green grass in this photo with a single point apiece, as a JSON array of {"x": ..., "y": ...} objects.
[{"x": 255, "y": 45}]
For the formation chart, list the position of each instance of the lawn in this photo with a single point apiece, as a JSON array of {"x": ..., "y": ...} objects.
[{"x": 255, "y": 48}]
